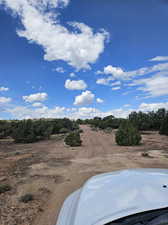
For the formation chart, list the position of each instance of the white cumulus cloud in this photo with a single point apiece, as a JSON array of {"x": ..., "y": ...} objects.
[
  {"x": 147, "y": 107},
  {"x": 4, "y": 88},
  {"x": 5, "y": 100},
  {"x": 59, "y": 70},
  {"x": 75, "y": 84},
  {"x": 86, "y": 98},
  {"x": 115, "y": 71},
  {"x": 35, "y": 97},
  {"x": 72, "y": 75},
  {"x": 25, "y": 112},
  {"x": 99, "y": 100},
  {"x": 79, "y": 47}
]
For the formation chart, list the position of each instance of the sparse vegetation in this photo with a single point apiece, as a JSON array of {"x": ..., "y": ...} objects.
[
  {"x": 28, "y": 131},
  {"x": 32, "y": 169},
  {"x": 73, "y": 139},
  {"x": 26, "y": 198},
  {"x": 4, "y": 188},
  {"x": 127, "y": 134}
]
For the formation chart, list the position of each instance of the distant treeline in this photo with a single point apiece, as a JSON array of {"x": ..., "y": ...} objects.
[
  {"x": 27, "y": 131},
  {"x": 142, "y": 121}
]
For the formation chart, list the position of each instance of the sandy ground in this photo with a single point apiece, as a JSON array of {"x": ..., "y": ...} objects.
[{"x": 51, "y": 171}]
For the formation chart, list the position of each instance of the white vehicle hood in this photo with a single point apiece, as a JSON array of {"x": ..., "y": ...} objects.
[{"x": 107, "y": 197}]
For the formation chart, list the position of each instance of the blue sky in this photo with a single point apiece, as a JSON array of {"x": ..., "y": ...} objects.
[{"x": 82, "y": 58}]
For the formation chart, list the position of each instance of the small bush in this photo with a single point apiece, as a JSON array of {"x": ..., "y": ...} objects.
[
  {"x": 127, "y": 134},
  {"x": 73, "y": 139},
  {"x": 145, "y": 154},
  {"x": 26, "y": 198},
  {"x": 24, "y": 132},
  {"x": 4, "y": 188}
]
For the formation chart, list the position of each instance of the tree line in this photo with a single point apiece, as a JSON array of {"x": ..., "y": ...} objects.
[
  {"x": 154, "y": 120},
  {"x": 28, "y": 131}
]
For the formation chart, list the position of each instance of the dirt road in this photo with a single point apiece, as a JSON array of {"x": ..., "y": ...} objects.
[
  {"x": 100, "y": 154},
  {"x": 51, "y": 171}
]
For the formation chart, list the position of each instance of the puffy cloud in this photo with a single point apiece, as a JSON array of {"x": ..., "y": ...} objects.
[
  {"x": 85, "y": 112},
  {"x": 119, "y": 113},
  {"x": 25, "y": 112},
  {"x": 22, "y": 112},
  {"x": 99, "y": 100},
  {"x": 5, "y": 100},
  {"x": 85, "y": 98},
  {"x": 4, "y": 88},
  {"x": 89, "y": 112},
  {"x": 72, "y": 75},
  {"x": 146, "y": 107},
  {"x": 116, "y": 88},
  {"x": 35, "y": 97},
  {"x": 154, "y": 86},
  {"x": 37, "y": 104},
  {"x": 75, "y": 84},
  {"x": 59, "y": 70},
  {"x": 79, "y": 47},
  {"x": 159, "y": 58},
  {"x": 115, "y": 71}
]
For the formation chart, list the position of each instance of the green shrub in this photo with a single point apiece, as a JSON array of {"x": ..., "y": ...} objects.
[
  {"x": 145, "y": 154},
  {"x": 164, "y": 126},
  {"x": 4, "y": 188},
  {"x": 24, "y": 132},
  {"x": 29, "y": 131},
  {"x": 73, "y": 139},
  {"x": 5, "y": 129},
  {"x": 26, "y": 198},
  {"x": 127, "y": 134}
]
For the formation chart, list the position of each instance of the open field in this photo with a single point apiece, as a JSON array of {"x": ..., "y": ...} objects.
[{"x": 50, "y": 171}]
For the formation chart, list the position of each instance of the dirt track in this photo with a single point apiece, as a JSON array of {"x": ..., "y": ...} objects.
[
  {"x": 100, "y": 154},
  {"x": 50, "y": 165}
]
